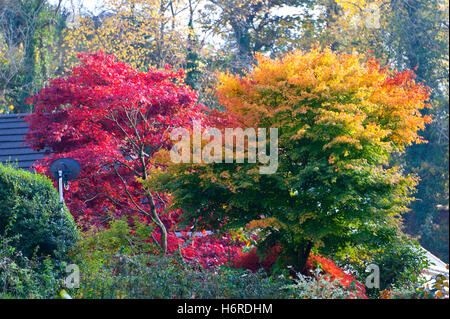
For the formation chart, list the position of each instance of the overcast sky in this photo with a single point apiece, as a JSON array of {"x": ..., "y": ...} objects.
[{"x": 90, "y": 5}]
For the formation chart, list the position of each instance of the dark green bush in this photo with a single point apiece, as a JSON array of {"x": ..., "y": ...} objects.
[
  {"x": 23, "y": 277},
  {"x": 401, "y": 265},
  {"x": 119, "y": 237},
  {"x": 30, "y": 209}
]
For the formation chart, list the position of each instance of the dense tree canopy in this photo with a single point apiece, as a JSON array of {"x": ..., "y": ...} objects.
[{"x": 340, "y": 117}]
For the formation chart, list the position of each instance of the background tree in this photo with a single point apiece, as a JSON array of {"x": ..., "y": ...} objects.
[
  {"x": 142, "y": 33},
  {"x": 28, "y": 39},
  {"x": 421, "y": 42},
  {"x": 251, "y": 26},
  {"x": 148, "y": 33}
]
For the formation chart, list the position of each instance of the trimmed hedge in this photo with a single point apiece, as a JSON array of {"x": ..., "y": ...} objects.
[{"x": 31, "y": 213}]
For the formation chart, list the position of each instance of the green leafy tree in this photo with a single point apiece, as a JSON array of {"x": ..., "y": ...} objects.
[
  {"x": 339, "y": 119},
  {"x": 405, "y": 35}
]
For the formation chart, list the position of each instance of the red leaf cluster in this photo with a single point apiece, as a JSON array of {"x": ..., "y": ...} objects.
[
  {"x": 336, "y": 273},
  {"x": 254, "y": 261},
  {"x": 112, "y": 119}
]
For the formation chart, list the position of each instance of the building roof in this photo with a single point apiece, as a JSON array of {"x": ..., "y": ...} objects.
[
  {"x": 437, "y": 267},
  {"x": 13, "y": 148}
]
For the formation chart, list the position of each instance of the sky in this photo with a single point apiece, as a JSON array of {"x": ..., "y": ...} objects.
[
  {"x": 90, "y": 5},
  {"x": 93, "y": 5}
]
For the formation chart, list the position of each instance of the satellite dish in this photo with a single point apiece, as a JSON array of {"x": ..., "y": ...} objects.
[
  {"x": 69, "y": 167},
  {"x": 64, "y": 170}
]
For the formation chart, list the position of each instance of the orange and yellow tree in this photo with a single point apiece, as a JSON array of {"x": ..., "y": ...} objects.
[{"x": 339, "y": 117}]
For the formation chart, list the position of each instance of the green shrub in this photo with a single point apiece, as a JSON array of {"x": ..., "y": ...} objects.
[
  {"x": 115, "y": 263},
  {"x": 23, "y": 277},
  {"x": 30, "y": 209},
  {"x": 316, "y": 287},
  {"x": 150, "y": 276},
  {"x": 401, "y": 265},
  {"x": 119, "y": 237}
]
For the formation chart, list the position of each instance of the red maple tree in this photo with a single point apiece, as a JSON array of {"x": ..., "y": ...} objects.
[{"x": 112, "y": 119}]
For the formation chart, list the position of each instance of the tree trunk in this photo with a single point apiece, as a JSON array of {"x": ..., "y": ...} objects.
[
  {"x": 298, "y": 256},
  {"x": 159, "y": 224},
  {"x": 244, "y": 58}
]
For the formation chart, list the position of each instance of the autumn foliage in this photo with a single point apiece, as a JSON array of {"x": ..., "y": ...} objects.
[
  {"x": 366, "y": 104},
  {"x": 340, "y": 116},
  {"x": 112, "y": 119},
  {"x": 254, "y": 261},
  {"x": 339, "y": 119}
]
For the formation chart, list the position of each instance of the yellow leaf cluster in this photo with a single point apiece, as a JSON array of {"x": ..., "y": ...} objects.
[{"x": 349, "y": 98}]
